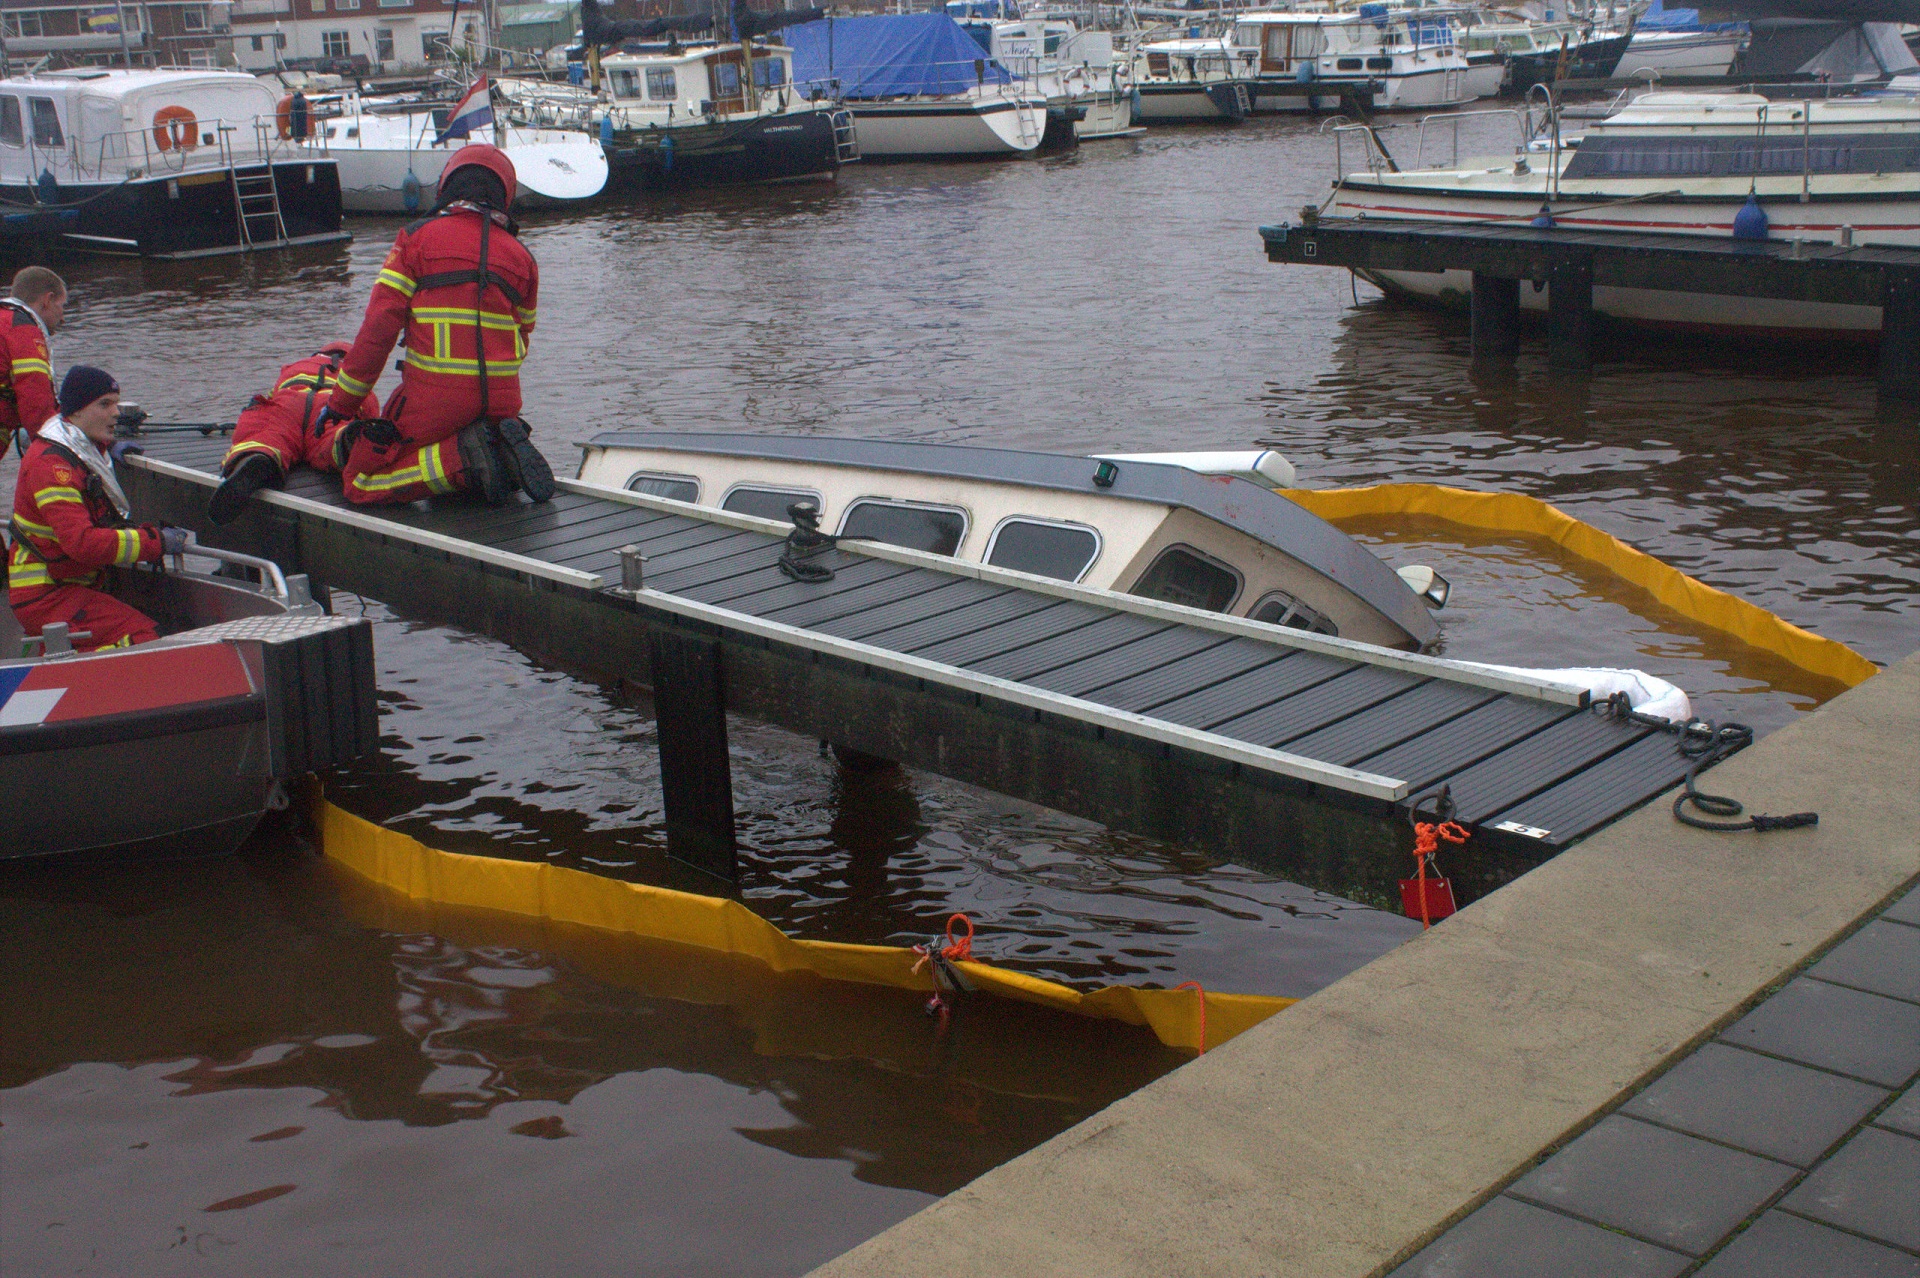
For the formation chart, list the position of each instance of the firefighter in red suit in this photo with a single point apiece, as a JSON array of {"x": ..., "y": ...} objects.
[
  {"x": 31, "y": 312},
  {"x": 464, "y": 292},
  {"x": 281, "y": 429},
  {"x": 70, "y": 523}
]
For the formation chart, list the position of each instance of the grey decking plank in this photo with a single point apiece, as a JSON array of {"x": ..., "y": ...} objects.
[
  {"x": 770, "y": 589},
  {"x": 1386, "y": 725},
  {"x": 1187, "y": 675},
  {"x": 956, "y": 595},
  {"x": 1149, "y": 653},
  {"x": 456, "y": 515},
  {"x": 612, "y": 540},
  {"x": 1527, "y": 767},
  {"x": 1622, "y": 781},
  {"x": 498, "y": 526},
  {"x": 868, "y": 598},
  {"x": 1031, "y": 660},
  {"x": 684, "y": 570},
  {"x": 563, "y": 542},
  {"x": 1316, "y": 707},
  {"x": 930, "y": 632},
  {"x": 1264, "y": 685},
  {"x": 1459, "y": 743},
  {"x": 1054, "y": 617}
]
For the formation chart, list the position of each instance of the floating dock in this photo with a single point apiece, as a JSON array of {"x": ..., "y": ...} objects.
[
  {"x": 1571, "y": 263},
  {"x": 1294, "y": 752}
]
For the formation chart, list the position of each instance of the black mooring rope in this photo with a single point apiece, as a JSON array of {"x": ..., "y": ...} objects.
[{"x": 1707, "y": 743}]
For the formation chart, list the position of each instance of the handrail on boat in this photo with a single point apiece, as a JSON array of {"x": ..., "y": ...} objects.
[{"x": 1454, "y": 118}]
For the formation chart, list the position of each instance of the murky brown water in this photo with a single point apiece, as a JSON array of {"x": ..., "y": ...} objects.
[{"x": 479, "y": 1095}]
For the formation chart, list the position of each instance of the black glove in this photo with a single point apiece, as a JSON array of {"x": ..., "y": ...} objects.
[
  {"x": 328, "y": 416},
  {"x": 173, "y": 541}
]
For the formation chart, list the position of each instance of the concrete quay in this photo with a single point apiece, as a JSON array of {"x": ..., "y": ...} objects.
[{"x": 1348, "y": 1135}]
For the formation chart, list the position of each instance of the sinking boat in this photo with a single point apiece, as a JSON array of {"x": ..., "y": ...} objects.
[
  {"x": 1202, "y": 529},
  {"x": 177, "y": 748}
]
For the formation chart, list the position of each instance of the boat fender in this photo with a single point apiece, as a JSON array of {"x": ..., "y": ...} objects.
[
  {"x": 1304, "y": 72},
  {"x": 410, "y": 192},
  {"x": 1750, "y": 223},
  {"x": 666, "y": 154},
  {"x": 606, "y": 130},
  {"x": 1543, "y": 220}
]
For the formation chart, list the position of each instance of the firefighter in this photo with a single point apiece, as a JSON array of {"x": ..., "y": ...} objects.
[
  {"x": 29, "y": 317},
  {"x": 281, "y": 429},
  {"x": 70, "y": 523},
  {"x": 464, "y": 291}
]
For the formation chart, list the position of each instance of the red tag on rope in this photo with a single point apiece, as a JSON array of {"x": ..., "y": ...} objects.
[{"x": 1427, "y": 896}]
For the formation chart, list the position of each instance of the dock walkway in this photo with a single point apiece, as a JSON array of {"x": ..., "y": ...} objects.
[{"x": 1280, "y": 748}]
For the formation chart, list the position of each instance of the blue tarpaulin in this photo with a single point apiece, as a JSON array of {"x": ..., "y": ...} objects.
[
  {"x": 884, "y": 57},
  {"x": 1661, "y": 18}
]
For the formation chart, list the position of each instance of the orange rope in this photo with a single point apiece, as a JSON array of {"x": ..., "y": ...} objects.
[
  {"x": 1426, "y": 842},
  {"x": 1195, "y": 987}
]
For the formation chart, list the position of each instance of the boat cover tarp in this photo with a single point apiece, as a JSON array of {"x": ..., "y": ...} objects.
[
  {"x": 1661, "y": 18},
  {"x": 890, "y": 56},
  {"x": 1835, "y": 50}
]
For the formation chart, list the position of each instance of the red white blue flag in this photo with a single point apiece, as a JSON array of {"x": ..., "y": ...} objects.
[{"x": 474, "y": 111}]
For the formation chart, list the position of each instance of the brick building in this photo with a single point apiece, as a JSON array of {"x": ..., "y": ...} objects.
[
  {"x": 389, "y": 35},
  {"x": 136, "y": 32}
]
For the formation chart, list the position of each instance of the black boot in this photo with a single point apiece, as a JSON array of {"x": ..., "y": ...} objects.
[
  {"x": 249, "y": 475},
  {"x": 528, "y": 469},
  {"x": 486, "y": 474}
]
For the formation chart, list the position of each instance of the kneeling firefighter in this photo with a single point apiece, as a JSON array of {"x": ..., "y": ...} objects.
[
  {"x": 464, "y": 291},
  {"x": 282, "y": 429}
]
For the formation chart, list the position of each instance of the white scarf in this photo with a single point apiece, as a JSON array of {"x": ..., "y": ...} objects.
[{"x": 91, "y": 455}]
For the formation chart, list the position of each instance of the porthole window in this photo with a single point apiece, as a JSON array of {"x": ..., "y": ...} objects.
[
  {"x": 1044, "y": 547},
  {"x": 673, "y": 487},
  {"x": 1183, "y": 575},
  {"x": 766, "y": 503},
  {"x": 935, "y": 529},
  {"x": 1279, "y": 608}
]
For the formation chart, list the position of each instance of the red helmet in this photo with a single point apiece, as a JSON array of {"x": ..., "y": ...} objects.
[
  {"x": 335, "y": 347},
  {"x": 487, "y": 156}
]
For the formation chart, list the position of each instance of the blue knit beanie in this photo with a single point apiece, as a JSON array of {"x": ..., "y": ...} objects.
[{"x": 82, "y": 385}]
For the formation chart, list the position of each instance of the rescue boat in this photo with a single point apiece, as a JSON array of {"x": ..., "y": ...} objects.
[{"x": 176, "y": 749}]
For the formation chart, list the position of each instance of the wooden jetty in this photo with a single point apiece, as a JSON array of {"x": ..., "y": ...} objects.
[
  {"x": 1571, "y": 263},
  {"x": 1290, "y": 751}
]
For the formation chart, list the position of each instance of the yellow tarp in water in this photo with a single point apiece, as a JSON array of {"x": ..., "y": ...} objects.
[
  {"x": 405, "y": 865},
  {"x": 1513, "y": 512}
]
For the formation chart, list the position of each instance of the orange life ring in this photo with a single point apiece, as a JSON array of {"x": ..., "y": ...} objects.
[
  {"x": 175, "y": 128},
  {"x": 283, "y": 116}
]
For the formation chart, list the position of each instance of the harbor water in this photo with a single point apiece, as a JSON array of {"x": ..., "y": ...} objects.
[{"x": 265, "y": 1065}]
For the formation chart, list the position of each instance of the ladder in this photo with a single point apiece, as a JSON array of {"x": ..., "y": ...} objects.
[
  {"x": 256, "y": 201},
  {"x": 846, "y": 142}
]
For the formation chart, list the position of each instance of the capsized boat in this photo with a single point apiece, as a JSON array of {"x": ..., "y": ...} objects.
[
  {"x": 177, "y": 748},
  {"x": 1205, "y": 530}
]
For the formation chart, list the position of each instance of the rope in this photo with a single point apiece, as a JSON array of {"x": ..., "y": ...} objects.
[
  {"x": 804, "y": 543},
  {"x": 1426, "y": 844},
  {"x": 948, "y": 982},
  {"x": 1195, "y": 987},
  {"x": 1707, "y": 743}
]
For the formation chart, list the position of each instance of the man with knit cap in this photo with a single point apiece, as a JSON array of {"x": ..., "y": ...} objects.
[{"x": 70, "y": 523}]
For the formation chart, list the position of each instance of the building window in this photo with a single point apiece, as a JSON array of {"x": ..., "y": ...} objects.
[
  {"x": 193, "y": 19},
  {"x": 346, "y": 4},
  {"x": 258, "y": 43},
  {"x": 201, "y": 58},
  {"x": 20, "y": 25},
  {"x": 279, "y": 39},
  {"x": 1183, "y": 576},
  {"x": 436, "y": 45},
  {"x": 336, "y": 44},
  {"x": 766, "y": 503},
  {"x": 937, "y": 530},
  {"x": 396, "y": 4},
  {"x": 11, "y": 131},
  {"x": 46, "y": 123},
  {"x": 672, "y": 487},
  {"x": 383, "y": 44},
  {"x": 1047, "y": 549},
  {"x": 661, "y": 85}
]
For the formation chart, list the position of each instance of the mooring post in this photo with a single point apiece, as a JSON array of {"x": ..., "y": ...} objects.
[
  {"x": 1496, "y": 318},
  {"x": 1570, "y": 314},
  {"x": 1900, "y": 339},
  {"x": 690, "y": 718}
]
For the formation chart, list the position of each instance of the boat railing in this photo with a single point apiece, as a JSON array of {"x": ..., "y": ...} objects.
[
  {"x": 1545, "y": 127},
  {"x": 1452, "y": 120},
  {"x": 1377, "y": 159},
  {"x": 175, "y": 146},
  {"x": 1805, "y": 133}
]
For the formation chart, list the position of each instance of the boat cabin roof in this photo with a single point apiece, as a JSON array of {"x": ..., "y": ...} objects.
[
  {"x": 121, "y": 83},
  {"x": 686, "y": 54}
]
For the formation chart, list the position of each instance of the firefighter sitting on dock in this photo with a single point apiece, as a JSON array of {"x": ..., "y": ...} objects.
[
  {"x": 281, "y": 429},
  {"x": 70, "y": 523},
  {"x": 464, "y": 291},
  {"x": 29, "y": 316}
]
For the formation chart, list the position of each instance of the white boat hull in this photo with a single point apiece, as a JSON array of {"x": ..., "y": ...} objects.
[
  {"x": 1108, "y": 115},
  {"x": 1163, "y": 102},
  {"x": 553, "y": 168},
  {"x": 1681, "y": 53},
  {"x": 959, "y": 126},
  {"x": 1440, "y": 87}
]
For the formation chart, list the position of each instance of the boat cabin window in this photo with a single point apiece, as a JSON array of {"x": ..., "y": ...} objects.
[
  {"x": 766, "y": 503},
  {"x": 626, "y": 83},
  {"x": 1183, "y": 575},
  {"x": 46, "y": 123},
  {"x": 726, "y": 79},
  {"x": 1380, "y": 64},
  {"x": 770, "y": 73},
  {"x": 662, "y": 86},
  {"x": 1063, "y": 551},
  {"x": 11, "y": 131},
  {"x": 1278, "y": 608},
  {"x": 1348, "y": 64},
  {"x": 672, "y": 487},
  {"x": 935, "y": 529}
]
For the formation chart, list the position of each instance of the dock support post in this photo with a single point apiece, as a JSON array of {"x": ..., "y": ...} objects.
[
  {"x": 690, "y": 719},
  {"x": 1900, "y": 341},
  {"x": 1570, "y": 315},
  {"x": 1496, "y": 318}
]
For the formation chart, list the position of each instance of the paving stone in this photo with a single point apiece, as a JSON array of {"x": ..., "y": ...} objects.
[
  {"x": 1781, "y": 1246},
  {"x": 1903, "y": 1114},
  {"x": 1906, "y": 909},
  {"x": 1871, "y": 1186},
  {"x": 1656, "y": 1184},
  {"x": 1882, "y": 957},
  {"x": 1761, "y": 1104},
  {"x": 1866, "y": 1035},
  {"x": 1511, "y": 1239}
]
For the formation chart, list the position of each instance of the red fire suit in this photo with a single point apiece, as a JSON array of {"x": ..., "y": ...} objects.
[
  {"x": 465, "y": 292},
  {"x": 65, "y": 533},
  {"x": 26, "y": 374},
  {"x": 280, "y": 423}
]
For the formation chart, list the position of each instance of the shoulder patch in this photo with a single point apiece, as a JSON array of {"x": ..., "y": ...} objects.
[{"x": 62, "y": 475}]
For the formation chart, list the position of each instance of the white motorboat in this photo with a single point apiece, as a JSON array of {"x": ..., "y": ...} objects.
[
  {"x": 1202, "y": 529},
  {"x": 1549, "y": 52},
  {"x": 390, "y": 159},
  {"x": 1708, "y": 52},
  {"x": 1074, "y": 70},
  {"x": 1381, "y": 58},
  {"x": 1192, "y": 79},
  {"x": 1830, "y": 170}
]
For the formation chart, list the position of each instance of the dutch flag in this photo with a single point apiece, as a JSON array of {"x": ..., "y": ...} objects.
[{"x": 474, "y": 111}]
